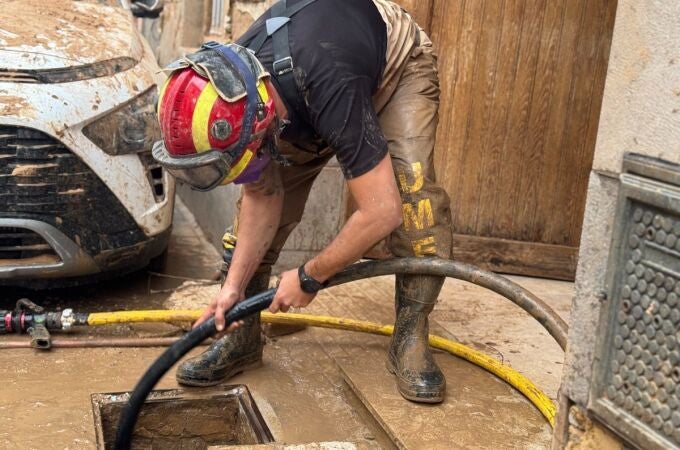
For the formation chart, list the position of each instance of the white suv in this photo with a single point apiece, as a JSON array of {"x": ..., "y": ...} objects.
[{"x": 80, "y": 194}]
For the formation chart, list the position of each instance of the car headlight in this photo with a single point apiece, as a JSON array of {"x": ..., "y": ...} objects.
[{"x": 128, "y": 129}]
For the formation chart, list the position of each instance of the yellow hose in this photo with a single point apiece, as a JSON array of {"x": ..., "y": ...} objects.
[
  {"x": 506, "y": 373},
  {"x": 157, "y": 315}
]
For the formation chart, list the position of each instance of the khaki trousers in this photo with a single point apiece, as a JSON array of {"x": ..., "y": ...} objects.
[{"x": 408, "y": 115}]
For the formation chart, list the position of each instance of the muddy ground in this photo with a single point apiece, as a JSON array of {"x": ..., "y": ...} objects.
[{"x": 317, "y": 385}]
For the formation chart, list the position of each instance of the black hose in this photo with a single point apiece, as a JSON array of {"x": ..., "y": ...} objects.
[
  {"x": 414, "y": 266},
  {"x": 128, "y": 416},
  {"x": 533, "y": 305}
]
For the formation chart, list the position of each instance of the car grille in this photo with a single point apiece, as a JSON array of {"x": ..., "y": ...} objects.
[
  {"x": 24, "y": 244},
  {"x": 41, "y": 179}
]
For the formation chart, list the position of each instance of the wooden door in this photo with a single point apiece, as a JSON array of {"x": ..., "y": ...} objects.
[
  {"x": 420, "y": 10},
  {"x": 521, "y": 89}
]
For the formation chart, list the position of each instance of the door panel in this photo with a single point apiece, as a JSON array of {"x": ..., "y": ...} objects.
[
  {"x": 419, "y": 10},
  {"x": 522, "y": 84}
]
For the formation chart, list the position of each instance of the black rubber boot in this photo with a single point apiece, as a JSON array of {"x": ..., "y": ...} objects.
[
  {"x": 419, "y": 379},
  {"x": 231, "y": 354}
]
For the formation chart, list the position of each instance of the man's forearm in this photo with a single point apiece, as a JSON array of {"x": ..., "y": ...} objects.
[
  {"x": 358, "y": 235},
  {"x": 378, "y": 214},
  {"x": 258, "y": 221},
  {"x": 259, "y": 217}
]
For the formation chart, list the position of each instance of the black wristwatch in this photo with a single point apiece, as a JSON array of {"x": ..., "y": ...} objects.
[{"x": 309, "y": 284}]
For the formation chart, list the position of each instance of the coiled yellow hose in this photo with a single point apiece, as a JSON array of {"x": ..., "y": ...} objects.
[{"x": 504, "y": 372}]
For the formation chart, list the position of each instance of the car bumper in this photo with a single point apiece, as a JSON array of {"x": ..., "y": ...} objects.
[{"x": 64, "y": 259}]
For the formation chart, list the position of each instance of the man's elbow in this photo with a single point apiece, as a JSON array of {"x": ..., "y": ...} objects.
[
  {"x": 385, "y": 220},
  {"x": 395, "y": 218}
]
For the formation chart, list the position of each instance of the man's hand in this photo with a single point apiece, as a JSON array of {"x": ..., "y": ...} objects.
[
  {"x": 219, "y": 305},
  {"x": 289, "y": 293}
]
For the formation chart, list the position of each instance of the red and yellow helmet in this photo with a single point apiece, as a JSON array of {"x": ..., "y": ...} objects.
[{"x": 215, "y": 111}]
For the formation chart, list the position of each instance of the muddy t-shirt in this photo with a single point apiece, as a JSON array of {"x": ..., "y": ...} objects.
[{"x": 338, "y": 51}]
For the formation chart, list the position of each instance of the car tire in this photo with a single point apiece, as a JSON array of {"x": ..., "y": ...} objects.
[{"x": 158, "y": 263}]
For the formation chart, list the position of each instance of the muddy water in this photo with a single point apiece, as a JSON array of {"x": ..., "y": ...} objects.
[
  {"x": 303, "y": 397},
  {"x": 173, "y": 421},
  {"x": 46, "y": 397}
]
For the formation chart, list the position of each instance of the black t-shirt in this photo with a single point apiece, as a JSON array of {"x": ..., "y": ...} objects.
[{"x": 338, "y": 50}]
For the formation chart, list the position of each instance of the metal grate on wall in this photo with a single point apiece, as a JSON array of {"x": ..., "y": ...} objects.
[{"x": 636, "y": 389}]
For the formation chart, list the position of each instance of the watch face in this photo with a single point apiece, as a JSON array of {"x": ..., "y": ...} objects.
[{"x": 307, "y": 283}]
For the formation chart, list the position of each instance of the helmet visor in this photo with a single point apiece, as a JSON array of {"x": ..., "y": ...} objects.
[{"x": 202, "y": 171}]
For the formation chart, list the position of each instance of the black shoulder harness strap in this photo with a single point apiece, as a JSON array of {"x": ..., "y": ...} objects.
[{"x": 282, "y": 67}]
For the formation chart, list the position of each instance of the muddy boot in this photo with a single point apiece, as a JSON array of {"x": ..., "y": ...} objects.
[
  {"x": 231, "y": 354},
  {"x": 419, "y": 379}
]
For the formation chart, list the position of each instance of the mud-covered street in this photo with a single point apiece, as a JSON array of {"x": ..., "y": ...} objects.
[
  {"x": 316, "y": 385},
  {"x": 499, "y": 179}
]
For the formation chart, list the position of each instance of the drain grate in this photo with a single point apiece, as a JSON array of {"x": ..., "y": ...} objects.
[{"x": 184, "y": 419}]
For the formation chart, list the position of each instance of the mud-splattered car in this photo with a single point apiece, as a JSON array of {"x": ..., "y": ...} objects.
[{"x": 80, "y": 194}]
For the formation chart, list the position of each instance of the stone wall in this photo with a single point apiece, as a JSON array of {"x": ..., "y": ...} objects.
[
  {"x": 640, "y": 114},
  {"x": 244, "y": 12},
  {"x": 641, "y": 106}
]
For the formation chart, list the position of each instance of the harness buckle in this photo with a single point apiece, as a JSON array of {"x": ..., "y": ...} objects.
[
  {"x": 210, "y": 45},
  {"x": 283, "y": 66}
]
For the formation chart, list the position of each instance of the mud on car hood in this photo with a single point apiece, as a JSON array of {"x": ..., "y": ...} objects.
[{"x": 39, "y": 34}]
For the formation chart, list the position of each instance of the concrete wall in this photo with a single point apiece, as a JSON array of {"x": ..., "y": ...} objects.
[
  {"x": 182, "y": 27},
  {"x": 640, "y": 114},
  {"x": 641, "y": 107},
  {"x": 179, "y": 26},
  {"x": 322, "y": 220}
]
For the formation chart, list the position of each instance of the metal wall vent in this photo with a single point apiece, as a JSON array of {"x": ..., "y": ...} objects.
[{"x": 636, "y": 388}]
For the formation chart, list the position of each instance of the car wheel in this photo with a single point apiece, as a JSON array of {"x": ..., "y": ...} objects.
[{"x": 158, "y": 263}]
